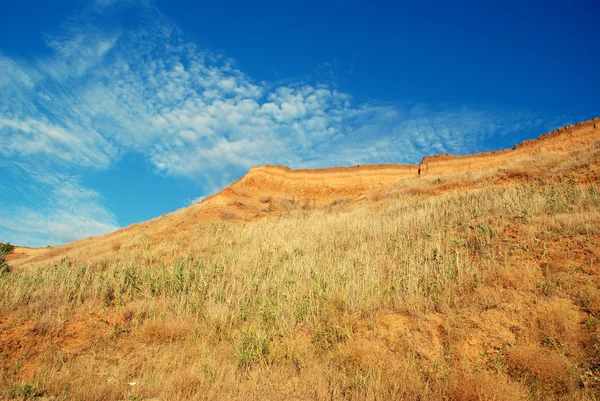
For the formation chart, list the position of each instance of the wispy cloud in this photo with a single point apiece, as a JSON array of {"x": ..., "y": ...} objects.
[
  {"x": 50, "y": 209},
  {"x": 62, "y": 144},
  {"x": 105, "y": 91}
]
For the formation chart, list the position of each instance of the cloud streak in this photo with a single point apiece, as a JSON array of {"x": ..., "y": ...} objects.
[
  {"x": 52, "y": 208},
  {"x": 106, "y": 92}
]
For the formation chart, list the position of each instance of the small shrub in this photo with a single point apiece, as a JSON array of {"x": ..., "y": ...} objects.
[
  {"x": 328, "y": 335},
  {"x": 23, "y": 391},
  {"x": 252, "y": 349},
  {"x": 5, "y": 249},
  {"x": 590, "y": 322}
]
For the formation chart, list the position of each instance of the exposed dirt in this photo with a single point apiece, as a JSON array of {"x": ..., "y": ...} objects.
[{"x": 23, "y": 343}]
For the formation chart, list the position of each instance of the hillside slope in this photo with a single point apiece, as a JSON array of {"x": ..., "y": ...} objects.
[{"x": 463, "y": 278}]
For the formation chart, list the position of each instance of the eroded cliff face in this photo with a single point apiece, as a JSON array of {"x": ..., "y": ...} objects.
[
  {"x": 270, "y": 191},
  {"x": 322, "y": 186}
]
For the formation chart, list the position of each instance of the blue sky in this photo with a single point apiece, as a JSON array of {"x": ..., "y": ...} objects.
[{"x": 113, "y": 112}]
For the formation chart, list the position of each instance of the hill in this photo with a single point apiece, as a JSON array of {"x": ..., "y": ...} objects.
[
  {"x": 462, "y": 277},
  {"x": 272, "y": 191}
]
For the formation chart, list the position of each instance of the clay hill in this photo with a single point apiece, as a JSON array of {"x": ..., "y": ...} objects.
[
  {"x": 459, "y": 278},
  {"x": 270, "y": 191}
]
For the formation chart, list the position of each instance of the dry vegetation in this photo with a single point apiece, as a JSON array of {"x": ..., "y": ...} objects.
[{"x": 472, "y": 287}]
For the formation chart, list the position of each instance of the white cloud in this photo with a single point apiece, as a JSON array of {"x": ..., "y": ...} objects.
[
  {"x": 33, "y": 137},
  {"x": 58, "y": 210},
  {"x": 13, "y": 75},
  {"x": 193, "y": 114},
  {"x": 106, "y": 92}
]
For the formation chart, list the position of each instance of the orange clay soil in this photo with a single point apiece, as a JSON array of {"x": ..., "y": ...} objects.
[{"x": 270, "y": 191}]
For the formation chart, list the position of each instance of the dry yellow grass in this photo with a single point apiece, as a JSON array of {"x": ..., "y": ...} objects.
[{"x": 468, "y": 287}]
